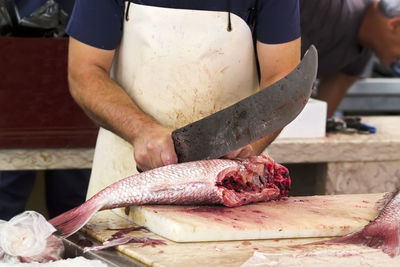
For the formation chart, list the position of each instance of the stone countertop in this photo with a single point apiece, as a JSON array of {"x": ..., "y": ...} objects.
[
  {"x": 382, "y": 146},
  {"x": 46, "y": 158}
]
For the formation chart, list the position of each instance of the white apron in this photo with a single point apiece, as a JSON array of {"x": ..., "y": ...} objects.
[{"x": 178, "y": 66}]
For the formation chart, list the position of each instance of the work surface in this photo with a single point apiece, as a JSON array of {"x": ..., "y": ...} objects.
[
  {"x": 384, "y": 145},
  {"x": 295, "y": 217},
  {"x": 281, "y": 252}
]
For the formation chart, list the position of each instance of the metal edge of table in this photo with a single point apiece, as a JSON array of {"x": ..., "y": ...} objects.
[{"x": 111, "y": 257}]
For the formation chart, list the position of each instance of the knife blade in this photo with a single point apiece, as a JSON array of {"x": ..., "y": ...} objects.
[{"x": 250, "y": 119}]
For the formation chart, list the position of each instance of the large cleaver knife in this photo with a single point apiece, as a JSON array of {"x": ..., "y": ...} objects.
[{"x": 250, "y": 119}]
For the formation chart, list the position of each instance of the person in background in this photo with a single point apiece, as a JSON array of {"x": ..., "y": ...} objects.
[
  {"x": 141, "y": 69},
  {"x": 65, "y": 189},
  {"x": 346, "y": 33}
]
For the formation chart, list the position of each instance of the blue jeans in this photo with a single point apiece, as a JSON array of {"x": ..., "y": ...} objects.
[{"x": 65, "y": 189}]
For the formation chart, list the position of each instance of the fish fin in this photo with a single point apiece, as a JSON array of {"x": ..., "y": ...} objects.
[
  {"x": 124, "y": 240},
  {"x": 356, "y": 238},
  {"x": 374, "y": 235},
  {"x": 71, "y": 221},
  {"x": 109, "y": 244},
  {"x": 390, "y": 235}
]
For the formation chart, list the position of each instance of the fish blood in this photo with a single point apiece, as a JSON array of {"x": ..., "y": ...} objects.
[{"x": 221, "y": 181}]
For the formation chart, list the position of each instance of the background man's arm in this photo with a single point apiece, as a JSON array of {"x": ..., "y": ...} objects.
[
  {"x": 276, "y": 61},
  {"x": 332, "y": 89},
  {"x": 105, "y": 102}
]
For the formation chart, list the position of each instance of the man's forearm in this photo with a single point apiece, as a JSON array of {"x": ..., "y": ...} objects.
[
  {"x": 106, "y": 103},
  {"x": 333, "y": 89}
]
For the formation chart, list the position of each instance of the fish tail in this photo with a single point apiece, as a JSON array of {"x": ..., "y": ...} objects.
[
  {"x": 375, "y": 235},
  {"x": 387, "y": 237},
  {"x": 356, "y": 238},
  {"x": 71, "y": 221}
]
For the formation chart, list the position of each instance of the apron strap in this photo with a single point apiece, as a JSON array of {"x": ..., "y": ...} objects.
[
  {"x": 127, "y": 11},
  {"x": 228, "y": 4}
]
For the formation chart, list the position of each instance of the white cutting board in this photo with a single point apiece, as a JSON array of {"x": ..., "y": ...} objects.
[{"x": 313, "y": 216}]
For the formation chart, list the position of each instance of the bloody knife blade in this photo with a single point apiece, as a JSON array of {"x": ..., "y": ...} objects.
[{"x": 250, "y": 119}]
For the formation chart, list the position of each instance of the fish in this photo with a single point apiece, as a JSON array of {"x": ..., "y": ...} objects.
[
  {"x": 381, "y": 233},
  {"x": 225, "y": 182}
]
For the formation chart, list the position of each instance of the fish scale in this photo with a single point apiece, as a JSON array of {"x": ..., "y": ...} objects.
[
  {"x": 173, "y": 177},
  {"x": 391, "y": 213}
]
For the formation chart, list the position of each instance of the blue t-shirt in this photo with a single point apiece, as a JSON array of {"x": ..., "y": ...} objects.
[{"x": 99, "y": 22}]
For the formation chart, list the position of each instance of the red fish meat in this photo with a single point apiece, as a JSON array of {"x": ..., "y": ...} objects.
[
  {"x": 383, "y": 232},
  {"x": 221, "y": 181}
]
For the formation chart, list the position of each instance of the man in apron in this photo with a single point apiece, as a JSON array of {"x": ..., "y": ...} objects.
[
  {"x": 346, "y": 33},
  {"x": 141, "y": 69}
]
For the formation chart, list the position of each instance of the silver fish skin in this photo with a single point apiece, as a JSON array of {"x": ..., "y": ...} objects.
[
  {"x": 221, "y": 181},
  {"x": 381, "y": 233}
]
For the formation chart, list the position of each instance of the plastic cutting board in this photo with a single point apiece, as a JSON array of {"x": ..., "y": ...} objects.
[{"x": 296, "y": 217}]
